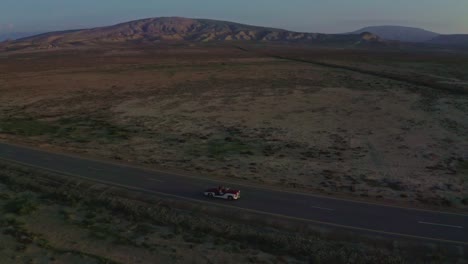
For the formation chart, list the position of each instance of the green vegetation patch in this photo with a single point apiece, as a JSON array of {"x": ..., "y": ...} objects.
[
  {"x": 26, "y": 127},
  {"x": 453, "y": 126},
  {"x": 81, "y": 129},
  {"x": 463, "y": 165},
  {"x": 220, "y": 148},
  {"x": 463, "y": 170},
  {"x": 76, "y": 129},
  {"x": 171, "y": 69},
  {"x": 21, "y": 205}
]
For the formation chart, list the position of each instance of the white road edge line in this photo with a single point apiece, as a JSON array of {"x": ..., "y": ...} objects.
[
  {"x": 150, "y": 170},
  {"x": 234, "y": 207},
  {"x": 427, "y": 223},
  {"x": 95, "y": 169},
  {"x": 153, "y": 179},
  {"x": 322, "y": 208}
]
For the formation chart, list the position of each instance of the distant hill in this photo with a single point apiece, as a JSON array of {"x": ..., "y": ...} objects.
[
  {"x": 153, "y": 30},
  {"x": 460, "y": 40},
  {"x": 16, "y": 35},
  {"x": 399, "y": 33}
]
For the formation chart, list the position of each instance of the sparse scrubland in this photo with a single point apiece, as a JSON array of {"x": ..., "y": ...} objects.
[
  {"x": 228, "y": 112},
  {"x": 51, "y": 218},
  {"x": 48, "y": 218}
]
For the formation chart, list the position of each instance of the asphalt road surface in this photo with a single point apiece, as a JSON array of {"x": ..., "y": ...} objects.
[{"x": 339, "y": 213}]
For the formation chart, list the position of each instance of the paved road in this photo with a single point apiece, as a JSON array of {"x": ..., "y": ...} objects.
[{"x": 420, "y": 224}]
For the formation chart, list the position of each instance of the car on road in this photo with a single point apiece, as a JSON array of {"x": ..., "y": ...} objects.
[{"x": 222, "y": 193}]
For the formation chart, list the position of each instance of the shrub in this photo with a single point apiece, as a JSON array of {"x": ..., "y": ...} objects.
[
  {"x": 10, "y": 219},
  {"x": 26, "y": 127},
  {"x": 22, "y": 205}
]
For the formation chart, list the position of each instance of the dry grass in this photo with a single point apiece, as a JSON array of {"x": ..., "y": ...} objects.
[
  {"x": 229, "y": 113},
  {"x": 94, "y": 224}
]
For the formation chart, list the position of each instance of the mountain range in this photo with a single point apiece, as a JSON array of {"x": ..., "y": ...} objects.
[
  {"x": 153, "y": 30},
  {"x": 416, "y": 35},
  {"x": 170, "y": 29},
  {"x": 458, "y": 40},
  {"x": 399, "y": 33},
  {"x": 16, "y": 35}
]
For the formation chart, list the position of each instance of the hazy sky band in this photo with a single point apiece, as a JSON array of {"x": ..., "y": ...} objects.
[{"x": 331, "y": 16}]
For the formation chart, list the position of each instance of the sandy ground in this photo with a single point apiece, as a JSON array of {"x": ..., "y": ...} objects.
[{"x": 225, "y": 112}]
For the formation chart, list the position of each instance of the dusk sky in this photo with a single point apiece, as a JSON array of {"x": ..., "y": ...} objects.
[{"x": 334, "y": 16}]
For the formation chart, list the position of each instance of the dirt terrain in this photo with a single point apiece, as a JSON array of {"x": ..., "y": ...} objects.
[
  {"x": 223, "y": 111},
  {"x": 48, "y": 218},
  {"x": 60, "y": 227}
]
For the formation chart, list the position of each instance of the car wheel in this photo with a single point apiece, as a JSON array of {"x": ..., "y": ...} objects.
[{"x": 230, "y": 198}]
